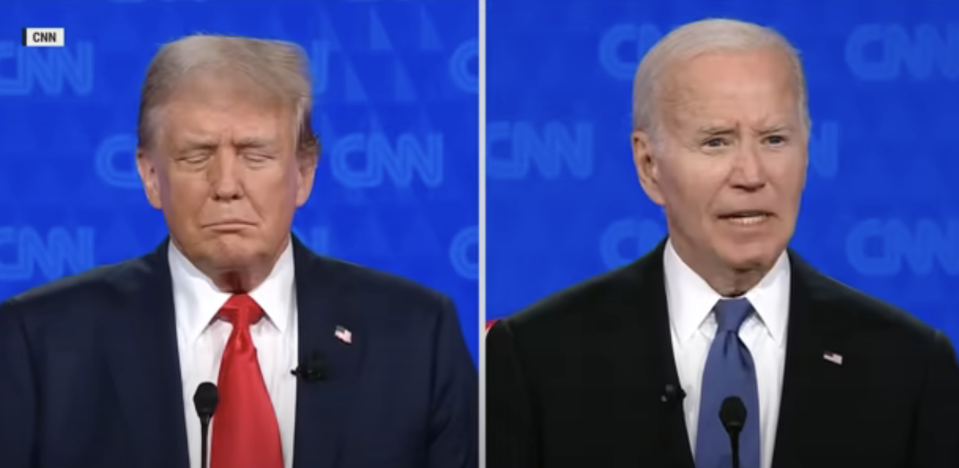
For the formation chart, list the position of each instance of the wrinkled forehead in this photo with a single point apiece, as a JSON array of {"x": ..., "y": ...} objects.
[{"x": 756, "y": 86}]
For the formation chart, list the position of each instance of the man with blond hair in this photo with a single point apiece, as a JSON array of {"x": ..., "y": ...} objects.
[
  {"x": 317, "y": 363},
  {"x": 721, "y": 347}
]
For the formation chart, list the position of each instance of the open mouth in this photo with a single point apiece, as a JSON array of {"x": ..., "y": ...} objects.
[{"x": 747, "y": 218}]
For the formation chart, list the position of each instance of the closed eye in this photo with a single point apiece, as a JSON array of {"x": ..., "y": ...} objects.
[
  {"x": 195, "y": 158},
  {"x": 258, "y": 157}
]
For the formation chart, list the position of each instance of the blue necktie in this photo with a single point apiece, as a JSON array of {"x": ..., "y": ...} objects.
[{"x": 729, "y": 372}]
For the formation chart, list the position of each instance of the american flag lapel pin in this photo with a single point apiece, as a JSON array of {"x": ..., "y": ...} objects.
[
  {"x": 832, "y": 357},
  {"x": 343, "y": 334}
]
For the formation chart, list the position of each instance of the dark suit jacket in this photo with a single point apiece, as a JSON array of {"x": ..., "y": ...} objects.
[
  {"x": 90, "y": 378},
  {"x": 578, "y": 380}
]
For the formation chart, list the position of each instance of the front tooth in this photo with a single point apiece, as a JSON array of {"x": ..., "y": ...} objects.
[{"x": 748, "y": 219}]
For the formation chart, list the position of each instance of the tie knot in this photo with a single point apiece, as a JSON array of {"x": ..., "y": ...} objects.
[
  {"x": 241, "y": 310},
  {"x": 731, "y": 313}
]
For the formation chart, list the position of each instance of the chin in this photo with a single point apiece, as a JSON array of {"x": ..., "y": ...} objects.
[
  {"x": 232, "y": 253},
  {"x": 232, "y": 263},
  {"x": 751, "y": 256}
]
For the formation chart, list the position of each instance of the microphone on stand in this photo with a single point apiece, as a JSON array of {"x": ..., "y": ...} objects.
[
  {"x": 313, "y": 370},
  {"x": 732, "y": 413},
  {"x": 673, "y": 394},
  {"x": 205, "y": 400}
]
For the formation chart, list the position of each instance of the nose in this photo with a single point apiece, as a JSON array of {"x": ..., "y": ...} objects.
[
  {"x": 748, "y": 173},
  {"x": 224, "y": 176}
]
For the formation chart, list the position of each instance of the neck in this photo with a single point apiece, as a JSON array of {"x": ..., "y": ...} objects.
[
  {"x": 728, "y": 282},
  {"x": 735, "y": 283},
  {"x": 238, "y": 279}
]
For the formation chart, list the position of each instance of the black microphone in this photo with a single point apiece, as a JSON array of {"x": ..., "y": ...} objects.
[
  {"x": 673, "y": 394},
  {"x": 205, "y": 400},
  {"x": 314, "y": 370},
  {"x": 733, "y": 415}
]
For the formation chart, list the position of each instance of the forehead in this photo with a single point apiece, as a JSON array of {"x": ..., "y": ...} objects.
[
  {"x": 755, "y": 85},
  {"x": 207, "y": 106}
]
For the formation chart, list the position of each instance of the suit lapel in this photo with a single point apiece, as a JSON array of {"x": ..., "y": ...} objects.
[
  {"x": 651, "y": 363},
  {"x": 676, "y": 437},
  {"x": 323, "y": 408},
  {"x": 142, "y": 350},
  {"x": 810, "y": 381}
]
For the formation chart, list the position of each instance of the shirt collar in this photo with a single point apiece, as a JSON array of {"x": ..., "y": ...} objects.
[
  {"x": 691, "y": 300},
  {"x": 197, "y": 300}
]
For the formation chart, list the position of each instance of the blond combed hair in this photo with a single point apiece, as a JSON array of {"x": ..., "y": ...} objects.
[{"x": 279, "y": 68}]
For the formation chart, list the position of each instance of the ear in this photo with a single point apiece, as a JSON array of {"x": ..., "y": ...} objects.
[
  {"x": 148, "y": 174},
  {"x": 647, "y": 165},
  {"x": 307, "y": 174},
  {"x": 805, "y": 168},
  {"x": 805, "y": 171}
]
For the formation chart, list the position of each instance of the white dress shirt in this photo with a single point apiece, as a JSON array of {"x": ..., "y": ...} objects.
[
  {"x": 201, "y": 338},
  {"x": 691, "y": 300}
]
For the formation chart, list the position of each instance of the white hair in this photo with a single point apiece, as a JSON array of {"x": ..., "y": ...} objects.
[
  {"x": 693, "y": 39},
  {"x": 279, "y": 68}
]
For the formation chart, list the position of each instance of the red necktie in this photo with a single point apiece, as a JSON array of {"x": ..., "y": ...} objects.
[{"x": 245, "y": 431}]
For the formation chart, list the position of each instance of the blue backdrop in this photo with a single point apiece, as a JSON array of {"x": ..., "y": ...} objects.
[
  {"x": 881, "y": 207},
  {"x": 396, "y": 110}
]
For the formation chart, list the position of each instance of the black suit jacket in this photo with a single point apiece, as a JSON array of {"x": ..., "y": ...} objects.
[
  {"x": 578, "y": 380},
  {"x": 90, "y": 378}
]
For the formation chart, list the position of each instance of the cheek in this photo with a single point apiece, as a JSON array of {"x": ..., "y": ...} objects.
[
  {"x": 789, "y": 177},
  {"x": 184, "y": 189},
  {"x": 186, "y": 197},
  {"x": 692, "y": 186},
  {"x": 273, "y": 194}
]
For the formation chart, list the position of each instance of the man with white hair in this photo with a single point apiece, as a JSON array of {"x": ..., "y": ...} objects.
[
  {"x": 317, "y": 363},
  {"x": 721, "y": 336}
]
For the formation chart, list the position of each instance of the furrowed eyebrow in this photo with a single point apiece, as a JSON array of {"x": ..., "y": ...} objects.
[
  {"x": 209, "y": 144},
  {"x": 254, "y": 143},
  {"x": 715, "y": 130},
  {"x": 774, "y": 129},
  {"x": 197, "y": 144}
]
